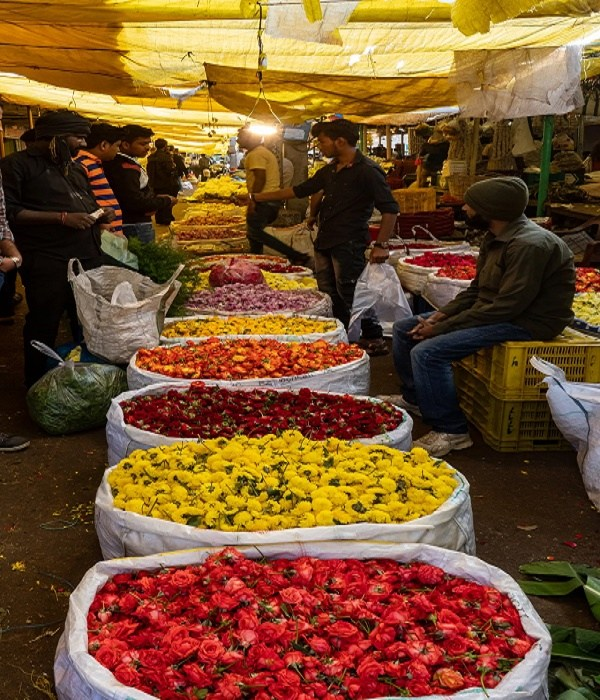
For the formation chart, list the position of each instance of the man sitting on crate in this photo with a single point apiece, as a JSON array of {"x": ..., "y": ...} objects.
[{"x": 523, "y": 290}]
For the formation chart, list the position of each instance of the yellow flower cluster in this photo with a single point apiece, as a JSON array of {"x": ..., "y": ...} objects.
[
  {"x": 273, "y": 279},
  {"x": 280, "y": 482},
  {"x": 221, "y": 187},
  {"x": 269, "y": 324},
  {"x": 586, "y": 306}
]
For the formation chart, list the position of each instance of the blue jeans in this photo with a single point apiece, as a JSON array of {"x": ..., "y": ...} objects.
[
  {"x": 337, "y": 270},
  {"x": 144, "y": 231},
  {"x": 425, "y": 367},
  {"x": 263, "y": 215},
  {"x": 1, "y": 279}
]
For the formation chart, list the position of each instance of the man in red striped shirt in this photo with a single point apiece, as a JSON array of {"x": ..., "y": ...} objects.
[{"x": 102, "y": 145}]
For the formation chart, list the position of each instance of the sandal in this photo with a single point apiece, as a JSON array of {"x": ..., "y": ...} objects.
[{"x": 374, "y": 346}]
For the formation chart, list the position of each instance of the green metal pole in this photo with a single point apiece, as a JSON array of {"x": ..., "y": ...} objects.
[
  {"x": 545, "y": 163},
  {"x": 362, "y": 142}
]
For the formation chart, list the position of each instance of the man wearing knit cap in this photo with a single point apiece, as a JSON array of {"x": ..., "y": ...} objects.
[
  {"x": 523, "y": 290},
  {"x": 49, "y": 206}
]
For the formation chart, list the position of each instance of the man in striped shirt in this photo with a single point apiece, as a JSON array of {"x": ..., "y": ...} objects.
[{"x": 102, "y": 145}]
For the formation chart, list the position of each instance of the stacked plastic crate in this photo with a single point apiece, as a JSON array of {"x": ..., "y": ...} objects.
[{"x": 502, "y": 395}]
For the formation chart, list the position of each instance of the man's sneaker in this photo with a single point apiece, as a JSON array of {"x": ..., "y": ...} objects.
[
  {"x": 399, "y": 400},
  {"x": 439, "y": 444},
  {"x": 374, "y": 347},
  {"x": 12, "y": 443}
]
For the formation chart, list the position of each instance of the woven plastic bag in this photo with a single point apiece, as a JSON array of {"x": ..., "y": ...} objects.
[
  {"x": 575, "y": 408},
  {"x": 80, "y": 677},
  {"x": 119, "y": 309},
  {"x": 378, "y": 290},
  {"x": 73, "y": 396}
]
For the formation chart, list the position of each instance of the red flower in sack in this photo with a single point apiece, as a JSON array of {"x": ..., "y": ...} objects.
[{"x": 110, "y": 653}]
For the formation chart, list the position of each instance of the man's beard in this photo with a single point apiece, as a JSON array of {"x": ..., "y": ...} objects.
[{"x": 479, "y": 222}]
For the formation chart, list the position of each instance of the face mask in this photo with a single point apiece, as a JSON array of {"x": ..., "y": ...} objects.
[{"x": 479, "y": 222}]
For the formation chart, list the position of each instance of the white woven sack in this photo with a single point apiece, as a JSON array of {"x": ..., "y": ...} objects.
[
  {"x": 80, "y": 677},
  {"x": 575, "y": 408},
  {"x": 321, "y": 307},
  {"x": 440, "y": 291},
  {"x": 298, "y": 237},
  {"x": 123, "y": 439},
  {"x": 115, "y": 328},
  {"x": 123, "y": 533},
  {"x": 351, "y": 378},
  {"x": 338, "y": 335}
]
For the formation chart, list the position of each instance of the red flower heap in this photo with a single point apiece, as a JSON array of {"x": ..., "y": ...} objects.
[
  {"x": 587, "y": 279},
  {"x": 440, "y": 260},
  {"x": 298, "y": 629},
  {"x": 245, "y": 359},
  {"x": 461, "y": 270},
  {"x": 204, "y": 412}
]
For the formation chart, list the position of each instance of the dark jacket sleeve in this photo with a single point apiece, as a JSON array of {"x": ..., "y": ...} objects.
[
  {"x": 125, "y": 183},
  {"x": 11, "y": 184}
]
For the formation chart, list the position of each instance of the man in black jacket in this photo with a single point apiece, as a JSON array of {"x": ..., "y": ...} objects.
[
  {"x": 162, "y": 174},
  {"x": 130, "y": 183},
  {"x": 53, "y": 216}
]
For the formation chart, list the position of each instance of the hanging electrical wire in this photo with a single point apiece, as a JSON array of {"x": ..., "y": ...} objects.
[{"x": 261, "y": 64}]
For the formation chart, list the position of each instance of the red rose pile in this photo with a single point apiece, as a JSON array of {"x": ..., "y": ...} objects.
[
  {"x": 299, "y": 629},
  {"x": 464, "y": 270},
  {"x": 432, "y": 259},
  {"x": 245, "y": 358},
  {"x": 587, "y": 279},
  {"x": 204, "y": 412}
]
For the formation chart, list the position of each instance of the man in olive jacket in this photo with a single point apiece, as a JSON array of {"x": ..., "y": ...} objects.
[{"x": 523, "y": 290}]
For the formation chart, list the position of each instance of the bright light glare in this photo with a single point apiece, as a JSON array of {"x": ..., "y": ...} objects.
[
  {"x": 262, "y": 129},
  {"x": 589, "y": 39},
  {"x": 400, "y": 65},
  {"x": 369, "y": 50},
  {"x": 355, "y": 58}
]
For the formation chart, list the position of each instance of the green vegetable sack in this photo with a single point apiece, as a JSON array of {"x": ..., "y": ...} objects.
[{"x": 75, "y": 395}]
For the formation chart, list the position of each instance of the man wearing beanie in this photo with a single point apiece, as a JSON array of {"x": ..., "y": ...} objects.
[
  {"x": 49, "y": 206},
  {"x": 523, "y": 290}
]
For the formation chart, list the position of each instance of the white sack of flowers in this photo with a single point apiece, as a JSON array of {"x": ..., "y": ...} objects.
[
  {"x": 78, "y": 676},
  {"x": 351, "y": 378},
  {"x": 337, "y": 334},
  {"x": 378, "y": 492},
  {"x": 439, "y": 291},
  {"x": 123, "y": 438}
]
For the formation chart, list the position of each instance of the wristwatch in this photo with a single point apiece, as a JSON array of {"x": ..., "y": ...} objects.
[
  {"x": 384, "y": 246},
  {"x": 17, "y": 262}
]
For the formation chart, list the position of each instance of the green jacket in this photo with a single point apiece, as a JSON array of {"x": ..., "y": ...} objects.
[{"x": 525, "y": 276}]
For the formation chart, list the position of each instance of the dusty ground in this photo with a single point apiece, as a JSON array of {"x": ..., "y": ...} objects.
[{"x": 48, "y": 541}]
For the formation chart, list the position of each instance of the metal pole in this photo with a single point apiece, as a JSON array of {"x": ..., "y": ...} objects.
[
  {"x": 30, "y": 116},
  {"x": 545, "y": 163},
  {"x": 363, "y": 138}
]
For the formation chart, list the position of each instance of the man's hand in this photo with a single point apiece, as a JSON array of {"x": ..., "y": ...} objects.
[
  {"x": 379, "y": 255},
  {"x": 108, "y": 216},
  {"x": 425, "y": 326},
  {"x": 172, "y": 200},
  {"x": 79, "y": 220}
]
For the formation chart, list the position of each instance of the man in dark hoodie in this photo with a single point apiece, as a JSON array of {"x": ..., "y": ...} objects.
[
  {"x": 49, "y": 205},
  {"x": 129, "y": 181},
  {"x": 523, "y": 290},
  {"x": 163, "y": 177}
]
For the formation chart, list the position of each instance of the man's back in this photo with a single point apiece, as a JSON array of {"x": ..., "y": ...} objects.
[{"x": 260, "y": 158}]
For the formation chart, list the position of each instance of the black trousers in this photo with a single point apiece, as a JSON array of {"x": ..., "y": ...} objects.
[{"x": 49, "y": 295}]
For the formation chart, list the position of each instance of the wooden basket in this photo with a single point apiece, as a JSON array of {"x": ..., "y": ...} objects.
[{"x": 415, "y": 199}]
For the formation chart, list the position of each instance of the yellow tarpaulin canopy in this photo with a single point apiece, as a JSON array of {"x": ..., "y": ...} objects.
[{"x": 124, "y": 58}]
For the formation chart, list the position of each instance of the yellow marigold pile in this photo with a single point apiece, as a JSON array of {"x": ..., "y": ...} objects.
[
  {"x": 280, "y": 482},
  {"x": 268, "y": 324}
]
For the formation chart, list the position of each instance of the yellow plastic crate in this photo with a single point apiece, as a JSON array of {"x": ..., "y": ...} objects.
[
  {"x": 415, "y": 199},
  {"x": 507, "y": 373},
  {"x": 507, "y": 426}
]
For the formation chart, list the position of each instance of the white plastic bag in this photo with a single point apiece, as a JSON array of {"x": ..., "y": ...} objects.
[
  {"x": 123, "y": 533},
  {"x": 123, "y": 439},
  {"x": 80, "y": 677},
  {"x": 378, "y": 289},
  {"x": 119, "y": 309},
  {"x": 351, "y": 378},
  {"x": 575, "y": 408}
]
